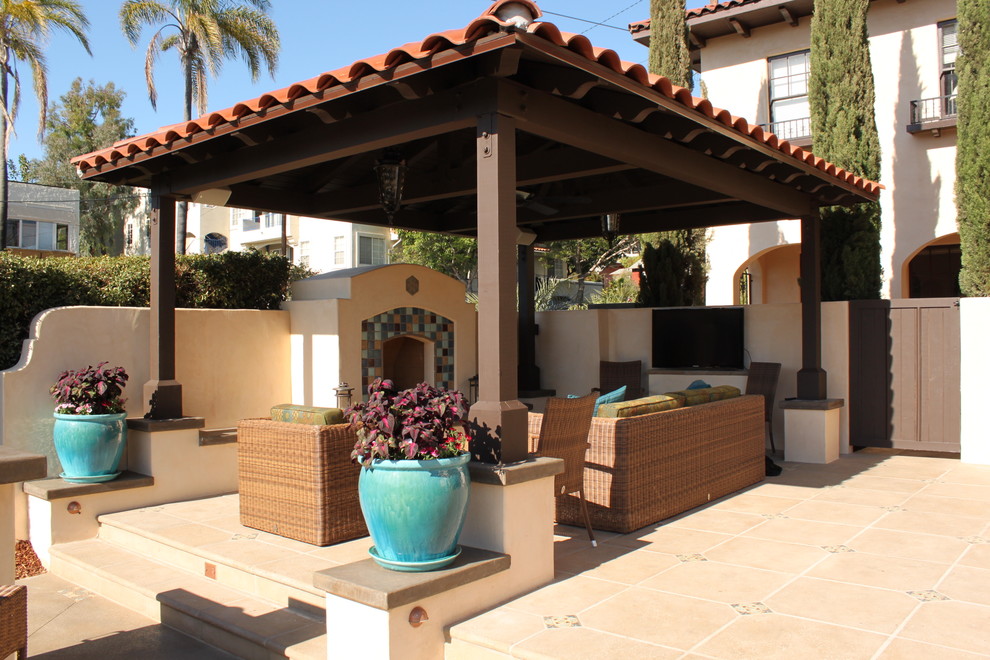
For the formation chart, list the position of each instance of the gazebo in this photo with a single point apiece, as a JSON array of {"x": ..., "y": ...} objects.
[{"x": 507, "y": 130}]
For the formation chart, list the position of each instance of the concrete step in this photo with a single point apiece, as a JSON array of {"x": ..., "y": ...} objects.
[
  {"x": 224, "y": 617},
  {"x": 221, "y": 555}
]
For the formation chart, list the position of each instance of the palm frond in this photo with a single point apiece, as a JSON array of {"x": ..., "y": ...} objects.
[
  {"x": 253, "y": 35},
  {"x": 136, "y": 14},
  {"x": 150, "y": 57}
]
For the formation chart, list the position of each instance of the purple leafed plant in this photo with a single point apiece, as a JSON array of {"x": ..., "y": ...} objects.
[
  {"x": 90, "y": 391},
  {"x": 418, "y": 424}
]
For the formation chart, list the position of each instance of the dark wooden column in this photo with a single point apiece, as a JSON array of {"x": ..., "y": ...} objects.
[
  {"x": 498, "y": 418},
  {"x": 811, "y": 379},
  {"x": 529, "y": 373},
  {"x": 162, "y": 394}
]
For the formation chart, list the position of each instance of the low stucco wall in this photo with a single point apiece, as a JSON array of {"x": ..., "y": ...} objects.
[
  {"x": 570, "y": 345},
  {"x": 231, "y": 363},
  {"x": 974, "y": 319}
]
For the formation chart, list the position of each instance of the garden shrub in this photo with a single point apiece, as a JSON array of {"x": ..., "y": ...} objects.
[{"x": 231, "y": 280}]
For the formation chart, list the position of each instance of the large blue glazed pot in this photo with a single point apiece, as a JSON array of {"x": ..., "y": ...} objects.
[
  {"x": 415, "y": 511},
  {"x": 89, "y": 446}
]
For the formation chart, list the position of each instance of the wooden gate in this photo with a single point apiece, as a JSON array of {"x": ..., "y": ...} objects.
[{"x": 904, "y": 374}]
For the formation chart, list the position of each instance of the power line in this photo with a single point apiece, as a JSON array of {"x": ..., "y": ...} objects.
[
  {"x": 621, "y": 11},
  {"x": 584, "y": 20}
]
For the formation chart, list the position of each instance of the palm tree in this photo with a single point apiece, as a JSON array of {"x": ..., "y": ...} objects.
[
  {"x": 25, "y": 26},
  {"x": 204, "y": 33}
]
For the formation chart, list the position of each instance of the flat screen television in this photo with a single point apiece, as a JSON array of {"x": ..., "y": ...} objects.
[{"x": 698, "y": 338}]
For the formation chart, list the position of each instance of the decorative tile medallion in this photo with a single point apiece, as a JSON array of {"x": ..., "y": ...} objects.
[
  {"x": 238, "y": 536},
  {"x": 408, "y": 321},
  {"x": 412, "y": 285},
  {"x": 561, "y": 621},
  {"x": 746, "y": 609},
  {"x": 774, "y": 516},
  {"x": 976, "y": 540},
  {"x": 75, "y": 593},
  {"x": 928, "y": 595},
  {"x": 837, "y": 549},
  {"x": 893, "y": 507},
  {"x": 689, "y": 558}
]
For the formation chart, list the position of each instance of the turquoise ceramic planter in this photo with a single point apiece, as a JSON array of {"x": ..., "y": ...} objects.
[
  {"x": 89, "y": 446},
  {"x": 415, "y": 511}
]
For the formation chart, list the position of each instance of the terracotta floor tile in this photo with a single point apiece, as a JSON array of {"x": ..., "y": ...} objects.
[
  {"x": 885, "y": 483},
  {"x": 906, "y": 649},
  {"x": 499, "y": 628},
  {"x": 244, "y": 552},
  {"x": 961, "y": 473},
  {"x": 658, "y": 618},
  {"x": 569, "y": 595},
  {"x": 977, "y": 555},
  {"x": 862, "y": 496},
  {"x": 909, "y": 545},
  {"x": 343, "y": 553},
  {"x": 756, "y": 503},
  {"x": 878, "y": 571},
  {"x": 952, "y": 505},
  {"x": 836, "y": 512},
  {"x": 850, "y": 605},
  {"x": 805, "y": 532},
  {"x": 967, "y": 583},
  {"x": 963, "y": 491},
  {"x": 771, "y": 488},
  {"x": 673, "y": 540},
  {"x": 615, "y": 563},
  {"x": 586, "y": 644},
  {"x": 950, "y": 623},
  {"x": 932, "y": 523},
  {"x": 768, "y": 636},
  {"x": 719, "y": 582},
  {"x": 723, "y": 522},
  {"x": 771, "y": 555},
  {"x": 911, "y": 467},
  {"x": 194, "y": 534}
]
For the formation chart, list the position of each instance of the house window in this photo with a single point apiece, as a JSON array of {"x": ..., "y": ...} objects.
[
  {"x": 13, "y": 233},
  {"x": 339, "y": 246},
  {"x": 61, "y": 237},
  {"x": 371, "y": 250},
  {"x": 37, "y": 235},
  {"x": 789, "y": 110},
  {"x": 276, "y": 248},
  {"x": 130, "y": 234},
  {"x": 272, "y": 220},
  {"x": 949, "y": 41}
]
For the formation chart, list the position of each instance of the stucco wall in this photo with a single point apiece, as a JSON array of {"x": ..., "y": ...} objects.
[
  {"x": 231, "y": 363},
  {"x": 917, "y": 170},
  {"x": 974, "y": 319}
]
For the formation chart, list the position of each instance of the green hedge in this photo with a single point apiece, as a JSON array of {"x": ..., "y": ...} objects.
[{"x": 232, "y": 280}]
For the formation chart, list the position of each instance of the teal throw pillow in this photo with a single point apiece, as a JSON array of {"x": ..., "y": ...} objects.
[{"x": 614, "y": 396}]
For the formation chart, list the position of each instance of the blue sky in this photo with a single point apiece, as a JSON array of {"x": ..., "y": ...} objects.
[{"x": 316, "y": 37}]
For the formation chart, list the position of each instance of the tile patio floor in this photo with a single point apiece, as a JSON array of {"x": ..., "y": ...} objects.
[{"x": 877, "y": 555}]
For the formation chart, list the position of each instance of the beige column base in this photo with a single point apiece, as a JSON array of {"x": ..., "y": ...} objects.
[{"x": 811, "y": 430}]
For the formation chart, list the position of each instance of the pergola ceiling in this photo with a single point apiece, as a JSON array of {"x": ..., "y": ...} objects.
[{"x": 591, "y": 140}]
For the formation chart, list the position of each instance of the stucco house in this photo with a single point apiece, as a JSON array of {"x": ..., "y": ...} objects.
[
  {"x": 753, "y": 56},
  {"x": 42, "y": 220}
]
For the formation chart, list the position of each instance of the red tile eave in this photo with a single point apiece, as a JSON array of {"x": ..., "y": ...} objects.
[{"x": 481, "y": 34}]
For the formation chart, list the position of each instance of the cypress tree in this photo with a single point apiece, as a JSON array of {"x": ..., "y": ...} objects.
[
  {"x": 972, "y": 163},
  {"x": 844, "y": 130},
  {"x": 669, "y": 53}
]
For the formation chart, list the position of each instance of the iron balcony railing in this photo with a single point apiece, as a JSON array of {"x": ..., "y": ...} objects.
[
  {"x": 792, "y": 129},
  {"x": 924, "y": 111}
]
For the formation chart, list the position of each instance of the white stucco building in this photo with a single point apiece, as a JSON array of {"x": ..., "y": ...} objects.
[
  {"x": 754, "y": 57},
  {"x": 42, "y": 220},
  {"x": 320, "y": 245}
]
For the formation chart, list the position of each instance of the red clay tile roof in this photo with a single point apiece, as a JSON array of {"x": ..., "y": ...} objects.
[
  {"x": 710, "y": 8},
  {"x": 480, "y": 27}
]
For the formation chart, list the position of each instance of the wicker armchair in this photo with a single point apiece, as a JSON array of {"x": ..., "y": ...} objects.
[
  {"x": 13, "y": 620},
  {"x": 564, "y": 434},
  {"x": 763, "y": 377},
  {"x": 297, "y": 480},
  {"x": 613, "y": 375}
]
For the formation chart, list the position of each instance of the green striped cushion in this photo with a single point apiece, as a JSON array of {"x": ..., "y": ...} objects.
[
  {"x": 706, "y": 394},
  {"x": 648, "y": 404},
  {"x": 286, "y": 412}
]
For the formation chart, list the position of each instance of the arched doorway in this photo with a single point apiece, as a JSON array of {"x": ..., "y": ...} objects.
[
  {"x": 404, "y": 360},
  {"x": 933, "y": 270},
  {"x": 770, "y": 276}
]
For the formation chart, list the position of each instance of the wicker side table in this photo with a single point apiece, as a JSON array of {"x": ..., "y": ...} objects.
[{"x": 13, "y": 620}]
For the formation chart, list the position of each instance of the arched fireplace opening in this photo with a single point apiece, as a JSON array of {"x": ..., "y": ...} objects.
[{"x": 405, "y": 359}]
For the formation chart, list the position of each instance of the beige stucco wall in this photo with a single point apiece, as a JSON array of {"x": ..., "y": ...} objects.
[
  {"x": 917, "y": 170},
  {"x": 232, "y": 364},
  {"x": 326, "y": 314},
  {"x": 570, "y": 345},
  {"x": 974, "y": 319}
]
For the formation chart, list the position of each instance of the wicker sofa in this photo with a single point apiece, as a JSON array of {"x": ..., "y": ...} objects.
[
  {"x": 297, "y": 480},
  {"x": 641, "y": 470}
]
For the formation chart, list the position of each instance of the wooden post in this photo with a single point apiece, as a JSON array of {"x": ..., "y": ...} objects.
[
  {"x": 498, "y": 419},
  {"x": 811, "y": 379},
  {"x": 162, "y": 394}
]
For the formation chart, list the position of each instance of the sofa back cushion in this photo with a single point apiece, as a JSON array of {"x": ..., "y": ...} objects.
[
  {"x": 706, "y": 394},
  {"x": 615, "y": 396},
  {"x": 643, "y": 406},
  {"x": 286, "y": 412}
]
